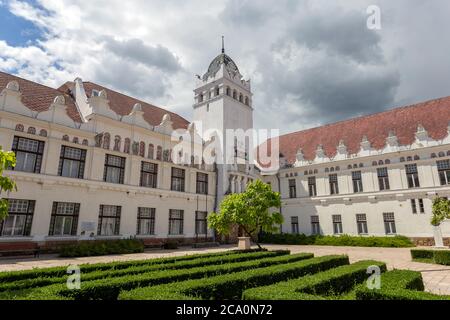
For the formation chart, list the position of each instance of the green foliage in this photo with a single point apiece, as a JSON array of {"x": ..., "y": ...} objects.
[
  {"x": 251, "y": 210},
  {"x": 7, "y": 160},
  {"x": 100, "y": 248},
  {"x": 231, "y": 286},
  {"x": 431, "y": 256},
  {"x": 137, "y": 269},
  {"x": 441, "y": 211},
  {"x": 343, "y": 240},
  {"x": 318, "y": 286}
]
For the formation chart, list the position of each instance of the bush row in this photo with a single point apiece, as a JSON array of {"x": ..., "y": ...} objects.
[
  {"x": 343, "y": 240},
  {"x": 101, "y": 248},
  {"x": 231, "y": 286},
  {"x": 437, "y": 256},
  {"x": 108, "y": 289},
  {"x": 86, "y": 268},
  {"x": 214, "y": 260},
  {"x": 332, "y": 282},
  {"x": 398, "y": 285}
]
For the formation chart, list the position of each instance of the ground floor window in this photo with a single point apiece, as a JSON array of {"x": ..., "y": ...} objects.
[
  {"x": 109, "y": 220},
  {"x": 389, "y": 223},
  {"x": 294, "y": 225},
  {"x": 361, "y": 223},
  {"x": 201, "y": 224},
  {"x": 176, "y": 219},
  {"x": 64, "y": 220},
  {"x": 20, "y": 218},
  {"x": 337, "y": 224},
  {"x": 146, "y": 221},
  {"x": 315, "y": 225}
]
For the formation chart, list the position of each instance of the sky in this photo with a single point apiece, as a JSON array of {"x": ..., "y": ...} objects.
[{"x": 311, "y": 62}]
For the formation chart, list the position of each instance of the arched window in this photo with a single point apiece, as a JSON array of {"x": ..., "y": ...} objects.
[
  {"x": 349, "y": 166},
  {"x": 234, "y": 94},
  {"x": 361, "y": 165},
  {"x": 65, "y": 137},
  {"x": 374, "y": 163},
  {"x": 241, "y": 98},
  {"x": 416, "y": 157},
  {"x": 85, "y": 142},
  {"x": 75, "y": 140},
  {"x": 310, "y": 172},
  {"x": 142, "y": 149},
  {"x": 246, "y": 101},
  {"x": 228, "y": 91},
  {"x": 402, "y": 159},
  {"x": 315, "y": 171},
  {"x": 126, "y": 146},
  {"x": 31, "y": 130},
  {"x": 387, "y": 161},
  {"x": 151, "y": 148},
  {"x": 117, "y": 143},
  {"x": 355, "y": 166},
  {"x": 106, "y": 140},
  {"x": 19, "y": 127},
  {"x": 441, "y": 154},
  {"x": 332, "y": 169},
  {"x": 159, "y": 153},
  {"x": 380, "y": 162},
  {"x": 433, "y": 155},
  {"x": 43, "y": 133},
  {"x": 327, "y": 170},
  {"x": 338, "y": 168},
  {"x": 217, "y": 91},
  {"x": 200, "y": 97},
  {"x": 448, "y": 153},
  {"x": 409, "y": 158},
  {"x": 305, "y": 173}
]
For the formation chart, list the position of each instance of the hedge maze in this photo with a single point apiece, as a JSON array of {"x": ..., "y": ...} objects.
[{"x": 253, "y": 275}]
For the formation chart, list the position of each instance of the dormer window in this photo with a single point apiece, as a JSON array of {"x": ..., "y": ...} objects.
[
  {"x": 95, "y": 93},
  {"x": 241, "y": 97},
  {"x": 234, "y": 94},
  {"x": 217, "y": 91},
  {"x": 200, "y": 98},
  {"x": 228, "y": 92}
]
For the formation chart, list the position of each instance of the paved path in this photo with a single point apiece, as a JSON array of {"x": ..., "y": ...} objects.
[{"x": 436, "y": 277}]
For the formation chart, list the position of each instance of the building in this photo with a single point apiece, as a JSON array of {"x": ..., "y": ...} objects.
[{"x": 93, "y": 163}]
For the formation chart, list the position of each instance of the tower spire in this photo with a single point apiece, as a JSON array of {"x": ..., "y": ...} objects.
[{"x": 223, "y": 44}]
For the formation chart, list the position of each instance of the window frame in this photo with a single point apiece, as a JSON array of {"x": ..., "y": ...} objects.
[
  {"x": 389, "y": 223},
  {"x": 141, "y": 218},
  {"x": 334, "y": 183},
  {"x": 82, "y": 162},
  {"x": 315, "y": 225},
  {"x": 312, "y": 186},
  {"x": 201, "y": 186},
  {"x": 75, "y": 216},
  {"x": 116, "y": 217},
  {"x": 29, "y": 215},
  {"x": 173, "y": 220},
  {"x": 292, "y": 188},
  {"x": 121, "y": 167},
  {"x": 337, "y": 224},
  {"x": 443, "y": 167},
  {"x": 201, "y": 224},
  {"x": 361, "y": 223},
  {"x": 39, "y": 153},
  {"x": 412, "y": 175},
  {"x": 383, "y": 179},
  {"x": 176, "y": 180},
  {"x": 294, "y": 225},
  {"x": 357, "y": 181},
  {"x": 151, "y": 173}
]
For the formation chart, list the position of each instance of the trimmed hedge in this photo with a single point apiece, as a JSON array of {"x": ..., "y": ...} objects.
[
  {"x": 398, "y": 285},
  {"x": 86, "y": 268},
  {"x": 436, "y": 256},
  {"x": 231, "y": 286},
  {"x": 343, "y": 240},
  {"x": 108, "y": 289},
  {"x": 101, "y": 248},
  {"x": 215, "y": 260},
  {"x": 332, "y": 282}
]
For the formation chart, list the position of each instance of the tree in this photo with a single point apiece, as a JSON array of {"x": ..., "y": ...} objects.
[
  {"x": 441, "y": 211},
  {"x": 7, "y": 160},
  {"x": 250, "y": 210}
]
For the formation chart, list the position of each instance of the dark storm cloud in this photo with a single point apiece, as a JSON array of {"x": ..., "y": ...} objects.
[{"x": 136, "y": 50}]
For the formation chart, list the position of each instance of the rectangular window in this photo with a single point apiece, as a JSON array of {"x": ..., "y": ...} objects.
[
  {"x": 201, "y": 225},
  {"x": 337, "y": 224},
  {"x": 383, "y": 179},
  {"x": 19, "y": 219},
  {"x": 176, "y": 218},
  {"x": 64, "y": 220},
  {"x": 114, "y": 169},
  {"x": 109, "y": 220},
  {"x": 357, "y": 182},
  {"x": 361, "y": 223},
  {"x": 421, "y": 207},
  {"x": 292, "y": 189},
  {"x": 72, "y": 162},
  {"x": 202, "y": 183},
  {"x": 177, "y": 179},
  {"x": 312, "y": 186},
  {"x": 145, "y": 221},
  {"x": 334, "y": 187},
  {"x": 149, "y": 174},
  {"x": 443, "y": 167},
  {"x": 412, "y": 176},
  {"x": 315, "y": 225},
  {"x": 389, "y": 223},
  {"x": 294, "y": 225},
  {"x": 413, "y": 206},
  {"x": 28, "y": 154}
]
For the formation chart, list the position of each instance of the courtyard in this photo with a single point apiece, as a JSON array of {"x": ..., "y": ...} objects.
[{"x": 436, "y": 277}]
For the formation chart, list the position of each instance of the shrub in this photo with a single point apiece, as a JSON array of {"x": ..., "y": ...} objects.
[
  {"x": 442, "y": 257},
  {"x": 170, "y": 245},
  {"x": 343, "y": 240},
  {"x": 231, "y": 286},
  {"x": 332, "y": 282},
  {"x": 215, "y": 260},
  {"x": 99, "y": 248},
  {"x": 109, "y": 288},
  {"x": 434, "y": 256},
  {"x": 421, "y": 254}
]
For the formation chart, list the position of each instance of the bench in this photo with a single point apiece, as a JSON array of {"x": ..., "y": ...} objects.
[{"x": 18, "y": 249}]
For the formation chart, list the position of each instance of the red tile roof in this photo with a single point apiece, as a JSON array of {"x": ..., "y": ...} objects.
[
  {"x": 433, "y": 115},
  {"x": 123, "y": 104},
  {"x": 38, "y": 97}
]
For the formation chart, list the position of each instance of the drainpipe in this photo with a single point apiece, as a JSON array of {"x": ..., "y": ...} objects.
[{"x": 281, "y": 207}]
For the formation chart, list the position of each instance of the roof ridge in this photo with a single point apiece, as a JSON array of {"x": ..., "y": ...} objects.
[
  {"x": 368, "y": 116},
  {"x": 30, "y": 81}
]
